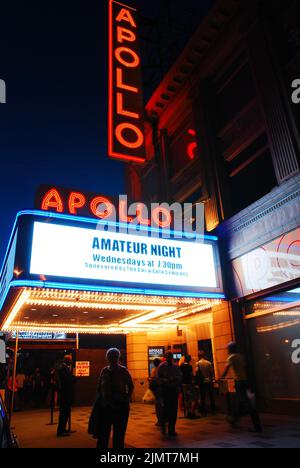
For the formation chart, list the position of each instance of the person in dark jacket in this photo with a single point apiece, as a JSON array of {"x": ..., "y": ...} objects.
[
  {"x": 170, "y": 377},
  {"x": 65, "y": 391},
  {"x": 188, "y": 388},
  {"x": 112, "y": 405}
]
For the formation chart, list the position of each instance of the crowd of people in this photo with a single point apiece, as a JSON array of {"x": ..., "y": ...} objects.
[
  {"x": 168, "y": 380},
  {"x": 172, "y": 384},
  {"x": 32, "y": 390},
  {"x": 181, "y": 385}
]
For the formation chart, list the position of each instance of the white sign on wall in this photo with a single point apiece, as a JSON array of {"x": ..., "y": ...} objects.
[
  {"x": 75, "y": 252},
  {"x": 39, "y": 336},
  {"x": 274, "y": 263}
]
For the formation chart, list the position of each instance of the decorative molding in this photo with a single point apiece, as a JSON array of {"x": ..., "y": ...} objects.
[
  {"x": 204, "y": 37},
  {"x": 273, "y": 215},
  {"x": 268, "y": 211}
]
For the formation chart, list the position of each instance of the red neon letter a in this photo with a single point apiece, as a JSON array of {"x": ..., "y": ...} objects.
[
  {"x": 125, "y": 15},
  {"x": 52, "y": 199}
]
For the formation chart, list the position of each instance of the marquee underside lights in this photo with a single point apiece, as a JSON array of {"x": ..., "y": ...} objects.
[
  {"x": 58, "y": 311},
  {"x": 126, "y": 140}
]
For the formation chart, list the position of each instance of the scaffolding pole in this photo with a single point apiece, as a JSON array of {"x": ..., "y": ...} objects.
[{"x": 14, "y": 378}]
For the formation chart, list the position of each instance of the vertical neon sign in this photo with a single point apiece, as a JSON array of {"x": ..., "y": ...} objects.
[{"x": 126, "y": 140}]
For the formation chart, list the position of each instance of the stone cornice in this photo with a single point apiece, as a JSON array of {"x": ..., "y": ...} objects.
[
  {"x": 273, "y": 215},
  {"x": 192, "y": 55}
]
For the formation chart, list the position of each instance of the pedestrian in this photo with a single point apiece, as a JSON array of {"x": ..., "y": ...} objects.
[
  {"x": 53, "y": 387},
  {"x": 38, "y": 388},
  {"x": 12, "y": 394},
  {"x": 111, "y": 409},
  {"x": 155, "y": 388},
  {"x": 188, "y": 389},
  {"x": 237, "y": 364},
  {"x": 170, "y": 379},
  {"x": 66, "y": 382},
  {"x": 31, "y": 389},
  {"x": 205, "y": 380},
  {"x": 20, "y": 380},
  {"x": 27, "y": 390}
]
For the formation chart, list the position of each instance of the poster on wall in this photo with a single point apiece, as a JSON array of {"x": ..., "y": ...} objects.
[{"x": 82, "y": 369}]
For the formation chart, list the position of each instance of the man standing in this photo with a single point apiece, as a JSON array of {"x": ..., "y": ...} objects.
[
  {"x": 237, "y": 364},
  {"x": 169, "y": 376},
  {"x": 20, "y": 380},
  {"x": 155, "y": 388},
  {"x": 204, "y": 378},
  {"x": 112, "y": 406},
  {"x": 65, "y": 391}
]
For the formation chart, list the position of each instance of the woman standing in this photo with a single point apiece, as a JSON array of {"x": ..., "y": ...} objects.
[
  {"x": 111, "y": 409},
  {"x": 154, "y": 386}
]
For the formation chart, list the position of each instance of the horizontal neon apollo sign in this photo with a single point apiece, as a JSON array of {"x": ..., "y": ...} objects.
[
  {"x": 158, "y": 215},
  {"x": 103, "y": 207}
]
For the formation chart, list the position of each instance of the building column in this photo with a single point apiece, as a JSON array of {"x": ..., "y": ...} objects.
[
  {"x": 222, "y": 335},
  {"x": 137, "y": 363},
  {"x": 278, "y": 124},
  {"x": 192, "y": 342}
]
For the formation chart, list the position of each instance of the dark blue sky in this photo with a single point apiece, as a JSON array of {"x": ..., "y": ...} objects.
[{"x": 53, "y": 127}]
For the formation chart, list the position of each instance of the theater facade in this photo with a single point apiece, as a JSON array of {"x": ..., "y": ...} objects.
[
  {"x": 74, "y": 276},
  {"x": 223, "y": 130},
  {"x": 220, "y": 130}
]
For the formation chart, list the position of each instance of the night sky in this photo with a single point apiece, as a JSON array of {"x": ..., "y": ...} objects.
[{"x": 53, "y": 127}]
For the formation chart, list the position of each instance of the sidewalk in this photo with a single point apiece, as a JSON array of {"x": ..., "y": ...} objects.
[{"x": 212, "y": 432}]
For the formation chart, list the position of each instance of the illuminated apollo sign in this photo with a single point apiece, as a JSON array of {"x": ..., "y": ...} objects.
[
  {"x": 126, "y": 138},
  {"x": 74, "y": 202},
  {"x": 186, "y": 217}
]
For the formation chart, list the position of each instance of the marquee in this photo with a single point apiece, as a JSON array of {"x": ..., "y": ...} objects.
[{"x": 63, "y": 274}]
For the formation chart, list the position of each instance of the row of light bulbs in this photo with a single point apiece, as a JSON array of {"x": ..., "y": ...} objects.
[{"x": 112, "y": 297}]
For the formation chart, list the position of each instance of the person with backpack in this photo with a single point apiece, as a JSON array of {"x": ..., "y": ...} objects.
[
  {"x": 66, "y": 382},
  {"x": 170, "y": 380},
  {"x": 111, "y": 409},
  {"x": 204, "y": 379}
]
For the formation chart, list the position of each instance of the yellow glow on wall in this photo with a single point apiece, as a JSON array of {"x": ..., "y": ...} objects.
[{"x": 148, "y": 313}]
